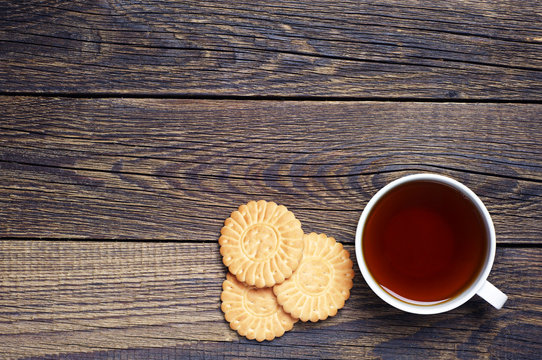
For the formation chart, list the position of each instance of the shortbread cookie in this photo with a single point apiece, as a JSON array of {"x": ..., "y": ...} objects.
[
  {"x": 253, "y": 312},
  {"x": 261, "y": 243},
  {"x": 321, "y": 283}
]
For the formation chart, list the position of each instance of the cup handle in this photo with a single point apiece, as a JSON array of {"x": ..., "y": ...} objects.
[{"x": 492, "y": 295}]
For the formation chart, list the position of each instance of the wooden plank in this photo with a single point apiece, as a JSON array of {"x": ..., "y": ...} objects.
[
  {"x": 175, "y": 169},
  {"x": 107, "y": 299},
  {"x": 428, "y": 49}
]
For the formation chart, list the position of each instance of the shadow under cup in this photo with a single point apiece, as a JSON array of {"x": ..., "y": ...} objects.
[{"x": 426, "y": 244}]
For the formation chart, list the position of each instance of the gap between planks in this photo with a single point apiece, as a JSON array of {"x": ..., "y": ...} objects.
[
  {"x": 182, "y": 96},
  {"x": 505, "y": 245}
]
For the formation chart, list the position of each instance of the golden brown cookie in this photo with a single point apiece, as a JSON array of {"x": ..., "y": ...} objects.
[
  {"x": 253, "y": 312},
  {"x": 261, "y": 243},
  {"x": 321, "y": 283}
]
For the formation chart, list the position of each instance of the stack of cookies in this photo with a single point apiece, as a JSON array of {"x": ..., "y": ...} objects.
[{"x": 277, "y": 274}]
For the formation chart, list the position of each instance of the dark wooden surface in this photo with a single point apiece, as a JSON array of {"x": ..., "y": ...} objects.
[
  {"x": 446, "y": 49},
  {"x": 97, "y": 299},
  {"x": 130, "y": 130},
  {"x": 175, "y": 169}
]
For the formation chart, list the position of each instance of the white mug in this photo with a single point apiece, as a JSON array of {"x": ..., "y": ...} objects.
[{"x": 480, "y": 285}]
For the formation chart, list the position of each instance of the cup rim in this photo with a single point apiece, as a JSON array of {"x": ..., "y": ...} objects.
[{"x": 441, "y": 306}]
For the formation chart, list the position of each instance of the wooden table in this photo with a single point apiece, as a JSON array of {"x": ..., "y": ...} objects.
[{"x": 131, "y": 129}]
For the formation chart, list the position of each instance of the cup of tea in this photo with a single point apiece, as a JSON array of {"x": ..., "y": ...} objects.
[{"x": 425, "y": 244}]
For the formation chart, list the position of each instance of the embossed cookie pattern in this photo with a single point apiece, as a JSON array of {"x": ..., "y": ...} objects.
[
  {"x": 322, "y": 282},
  {"x": 261, "y": 243},
  {"x": 253, "y": 312}
]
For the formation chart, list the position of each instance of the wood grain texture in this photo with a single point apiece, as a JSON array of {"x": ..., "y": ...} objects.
[
  {"x": 388, "y": 48},
  {"x": 116, "y": 300},
  {"x": 175, "y": 169}
]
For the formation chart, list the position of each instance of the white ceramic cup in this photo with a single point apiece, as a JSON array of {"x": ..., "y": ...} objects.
[{"x": 480, "y": 286}]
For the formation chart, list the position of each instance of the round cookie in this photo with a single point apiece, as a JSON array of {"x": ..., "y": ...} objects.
[
  {"x": 253, "y": 312},
  {"x": 321, "y": 283},
  {"x": 261, "y": 243}
]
